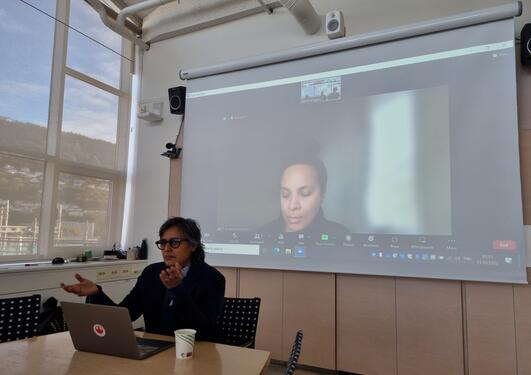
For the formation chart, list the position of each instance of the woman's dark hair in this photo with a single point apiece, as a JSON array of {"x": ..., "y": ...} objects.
[
  {"x": 314, "y": 162},
  {"x": 192, "y": 232}
]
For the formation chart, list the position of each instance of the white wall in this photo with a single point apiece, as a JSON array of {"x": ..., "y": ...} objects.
[{"x": 249, "y": 36}]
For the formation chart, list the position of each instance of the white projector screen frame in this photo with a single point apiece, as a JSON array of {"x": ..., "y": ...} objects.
[{"x": 418, "y": 234}]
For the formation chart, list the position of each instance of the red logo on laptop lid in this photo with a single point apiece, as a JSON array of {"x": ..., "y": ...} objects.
[{"x": 99, "y": 330}]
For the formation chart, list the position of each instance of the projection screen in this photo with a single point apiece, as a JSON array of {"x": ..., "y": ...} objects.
[{"x": 398, "y": 158}]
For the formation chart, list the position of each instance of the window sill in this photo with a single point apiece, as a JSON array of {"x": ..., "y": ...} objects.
[
  {"x": 38, "y": 267},
  {"x": 43, "y": 278}
]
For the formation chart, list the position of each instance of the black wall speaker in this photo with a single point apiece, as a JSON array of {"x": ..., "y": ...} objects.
[
  {"x": 525, "y": 44},
  {"x": 177, "y": 97}
]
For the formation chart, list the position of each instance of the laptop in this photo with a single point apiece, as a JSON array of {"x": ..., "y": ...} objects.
[{"x": 107, "y": 330}]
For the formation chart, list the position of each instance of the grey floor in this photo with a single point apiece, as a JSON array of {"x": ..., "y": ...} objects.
[{"x": 277, "y": 369}]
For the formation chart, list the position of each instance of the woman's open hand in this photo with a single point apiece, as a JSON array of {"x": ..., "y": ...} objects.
[{"x": 83, "y": 288}]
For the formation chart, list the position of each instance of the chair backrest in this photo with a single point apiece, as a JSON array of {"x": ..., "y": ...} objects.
[
  {"x": 238, "y": 321},
  {"x": 295, "y": 354},
  {"x": 19, "y": 317},
  {"x": 51, "y": 318}
]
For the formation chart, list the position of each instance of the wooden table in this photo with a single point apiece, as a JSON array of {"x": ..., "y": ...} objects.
[{"x": 55, "y": 355}]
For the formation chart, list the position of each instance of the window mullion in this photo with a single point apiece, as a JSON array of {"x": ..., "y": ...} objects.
[
  {"x": 57, "y": 83},
  {"x": 46, "y": 227},
  {"x": 122, "y": 142},
  {"x": 94, "y": 82},
  {"x": 124, "y": 107}
]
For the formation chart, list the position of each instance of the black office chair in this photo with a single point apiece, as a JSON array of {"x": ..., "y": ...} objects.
[
  {"x": 295, "y": 353},
  {"x": 238, "y": 321},
  {"x": 51, "y": 318},
  {"x": 19, "y": 317}
]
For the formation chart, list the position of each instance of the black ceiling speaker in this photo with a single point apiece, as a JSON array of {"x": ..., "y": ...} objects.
[
  {"x": 525, "y": 44},
  {"x": 177, "y": 97}
]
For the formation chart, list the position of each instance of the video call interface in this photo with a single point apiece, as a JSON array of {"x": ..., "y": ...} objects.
[{"x": 386, "y": 166}]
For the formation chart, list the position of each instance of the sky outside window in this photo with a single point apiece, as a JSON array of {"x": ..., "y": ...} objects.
[
  {"x": 87, "y": 56},
  {"x": 27, "y": 46}
]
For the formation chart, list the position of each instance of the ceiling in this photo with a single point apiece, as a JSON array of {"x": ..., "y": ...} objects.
[{"x": 189, "y": 9}]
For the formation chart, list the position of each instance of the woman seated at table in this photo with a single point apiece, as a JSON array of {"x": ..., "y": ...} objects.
[{"x": 181, "y": 292}]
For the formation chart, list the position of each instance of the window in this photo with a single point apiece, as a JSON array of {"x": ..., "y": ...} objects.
[
  {"x": 25, "y": 78},
  {"x": 82, "y": 217},
  {"x": 21, "y": 185},
  {"x": 90, "y": 124},
  {"x": 88, "y": 56},
  {"x": 63, "y": 129}
]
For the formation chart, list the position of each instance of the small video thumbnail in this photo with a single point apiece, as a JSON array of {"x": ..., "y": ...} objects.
[{"x": 321, "y": 90}]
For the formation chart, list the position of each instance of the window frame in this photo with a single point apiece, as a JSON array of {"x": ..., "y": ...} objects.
[
  {"x": 54, "y": 165},
  {"x": 7, "y": 258}
]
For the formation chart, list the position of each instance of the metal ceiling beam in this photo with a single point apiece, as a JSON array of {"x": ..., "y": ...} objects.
[
  {"x": 139, "y": 7},
  {"x": 125, "y": 32},
  {"x": 122, "y": 4},
  {"x": 112, "y": 14},
  {"x": 218, "y": 20}
]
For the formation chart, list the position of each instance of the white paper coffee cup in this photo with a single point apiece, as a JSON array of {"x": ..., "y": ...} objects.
[{"x": 184, "y": 343}]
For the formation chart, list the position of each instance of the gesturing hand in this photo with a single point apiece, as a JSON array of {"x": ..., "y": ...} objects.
[
  {"x": 84, "y": 288},
  {"x": 172, "y": 276}
]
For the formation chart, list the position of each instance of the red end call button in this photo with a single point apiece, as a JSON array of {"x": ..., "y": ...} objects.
[{"x": 504, "y": 245}]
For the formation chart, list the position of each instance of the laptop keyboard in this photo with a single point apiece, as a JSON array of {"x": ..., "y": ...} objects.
[{"x": 146, "y": 346}]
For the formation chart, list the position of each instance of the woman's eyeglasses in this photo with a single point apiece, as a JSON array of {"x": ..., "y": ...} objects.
[{"x": 174, "y": 242}]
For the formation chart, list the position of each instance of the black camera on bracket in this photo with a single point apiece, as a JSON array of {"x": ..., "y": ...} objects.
[{"x": 172, "y": 151}]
